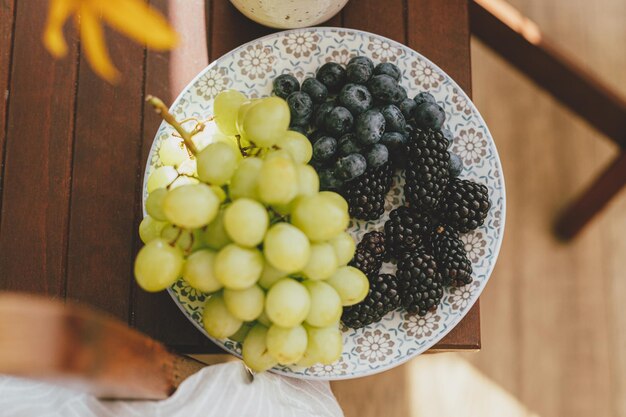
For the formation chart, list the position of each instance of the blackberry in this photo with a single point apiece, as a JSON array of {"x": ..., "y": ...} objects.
[
  {"x": 420, "y": 284},
  {"x": 369, "y": 254},
  {"x": 449, "y": 253},
  {"x": 366, "y": 193},
  {"x": 464, "y": 205},
  {"x": 406, "y": 230},
  {"x": 382, "y": 298},
  {"x": 373, "y": 242},
  {"x": 427, "y": 169}
]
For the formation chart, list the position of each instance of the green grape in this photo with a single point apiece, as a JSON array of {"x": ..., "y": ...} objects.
[
  {"x": 217, "y": 163},
  {"x": 198, "y": 271},
  {"x": 286, "y": 248},
  {"x": 308, "y": 181},
  {"x": 225, "y": 107},
  {"x": 270, "y": 276},
  {"x": 154, "y": 204},
  {"x": 254, "y": 350},
  {"x": 188, "y": 168},
  {"x": 287, "y": 303},
  {"x": 326, "y": 306},
  {"x": 150, "y": 229},
  {"x": 173, "y": 151},
  {"x": 297, "y": 145},
  {"x": 266, "y": 121},
  {"x": 337, "y": 199},
  {"x": 344, "y": 247},
  {"x": 158, "y": 265},
  {"x": 219, "y": 192},
  {"x": 319, "y": 217},
  {"x": 241, "y": 334},
  {"x": 322, "y": 262},
  {"x": 214, "y": 235},
  {"x": 191, "y": 206},
  {"x": 185, "y": 240},
  {"x": 246, "y": 222},
  {"x": 246, "y": 304},
  {"x": 277, "y": 153},
  {"x": 287, "y": 345},
  {"x": 243, "y": 184},
  {"x": 237, "y": 267},
  {"x": 183, "y": 180},
  {"x": 161, "y": 178},
  {"x": 324, "y": 345},
  {"x": 217, "y": 320},
  {"x": 278, "y": 181},
  {"x": 241, "y": 114},
  {"x": 264, "y": 320},
  {"x": 351, "y": 284}
]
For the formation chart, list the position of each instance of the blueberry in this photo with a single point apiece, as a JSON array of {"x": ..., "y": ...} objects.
[
  {"x": 350, "y": 166},
  {"x": 356, "y": 98},
  {"x": 369, "y": 127},
  {"x": 403, "y": 95},
  {"x": 358, "y": 73},
  {"x": 447, "y": 134},
  {"x": 456, "y": 165},
  {"x": 424, "y": 97},
  {"x": 315, "y": 89},
  {"x": 301, "y": 108},
  {"x": 389, "y": 69},
  {"x": 324, "y": 148},
  {"x": 362, "y": 60},
  {"x": 407, "y": 106},
  {"x": 396, "y": 144},
  {"x": 394, "y": 119},
  {"x": 321, "y": 112},
  {"x": 394, "y": 140},
  {"x": 328, "y": 180},
  {"x": 429, "y": 116},
  {"x": 385, "y": 88},
  {"x": 377, "y": 156},
  {"x": 299, "y": 129},
  {"x": 284, "y": 85},
  {"x": 338, "y": 121},
  {"x": 332, "y": 75},
  {"x": 347, "y": 144},
  {"x": 313, "y": 137}
]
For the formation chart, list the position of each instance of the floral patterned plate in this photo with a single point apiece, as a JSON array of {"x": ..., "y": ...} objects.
[{"x": 251, "y": 69}]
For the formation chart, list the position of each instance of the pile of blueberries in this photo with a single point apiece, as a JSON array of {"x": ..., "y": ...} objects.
[{"x": 357, "y": 117}]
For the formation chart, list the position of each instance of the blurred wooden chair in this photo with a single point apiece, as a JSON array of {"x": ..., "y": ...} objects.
[{"x": 519, "y": 40}]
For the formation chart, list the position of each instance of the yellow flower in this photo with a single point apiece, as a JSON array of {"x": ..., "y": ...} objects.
[{"x": 134, "y": 18}]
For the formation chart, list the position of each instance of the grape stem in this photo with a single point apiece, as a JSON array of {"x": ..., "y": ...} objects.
[{"x": 162, "y": 109}]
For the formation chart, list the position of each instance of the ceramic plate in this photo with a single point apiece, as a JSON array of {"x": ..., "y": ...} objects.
[{"x": 251, "y": 69}]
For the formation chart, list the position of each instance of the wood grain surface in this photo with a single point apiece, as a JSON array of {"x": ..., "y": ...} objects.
[
  {"x": 37, "y": 158},
  {"x": 76, "y": 148}
]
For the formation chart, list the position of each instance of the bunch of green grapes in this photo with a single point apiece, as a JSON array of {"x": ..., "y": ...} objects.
[{"x": 251, "y": 228}]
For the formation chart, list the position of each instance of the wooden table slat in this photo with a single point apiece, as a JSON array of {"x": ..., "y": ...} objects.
[
  {"x": 372, "y": 16},
  {"x": 38, "y": 156},
  {"x": 156, "y": 314},
  {"x": 440, "y": 31},
  {"x": 7, "y": 17},
  {"x": 106, "y": 169}
]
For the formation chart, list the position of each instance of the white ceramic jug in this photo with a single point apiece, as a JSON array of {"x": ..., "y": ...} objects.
[{"x": 289, "y": 14}]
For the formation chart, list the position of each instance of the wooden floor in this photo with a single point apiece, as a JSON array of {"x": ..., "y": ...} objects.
[{"x": 553, "y": 316}]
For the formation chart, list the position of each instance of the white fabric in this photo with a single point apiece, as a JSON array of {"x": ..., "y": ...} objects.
[{"x": 218, "y": 390}]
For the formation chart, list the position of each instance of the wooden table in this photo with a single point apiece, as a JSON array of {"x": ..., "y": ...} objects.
[{"x": 74, "y": 149}]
